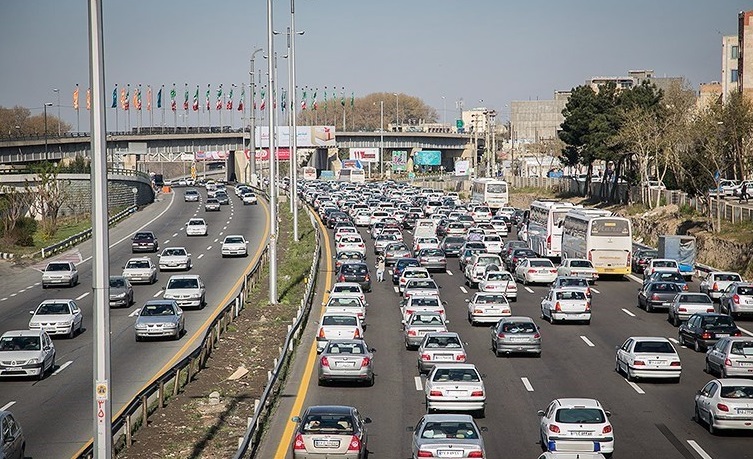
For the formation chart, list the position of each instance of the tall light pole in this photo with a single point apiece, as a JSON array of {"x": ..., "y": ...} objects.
[
  {"x": 397, "y": 110},
  {"x": 444, "y": 111},
  {"x": 57, "y": 91},
  {"x": 252, "y": 127},
  {"x": 381, "y": 139},
  {"x": 272, "y": 154},
  {"x": 46, "y": 104},
  {"x": 294, "y": 123}
]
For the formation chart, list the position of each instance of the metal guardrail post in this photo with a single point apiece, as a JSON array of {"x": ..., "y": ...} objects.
[{"x": 144, "y": 410}]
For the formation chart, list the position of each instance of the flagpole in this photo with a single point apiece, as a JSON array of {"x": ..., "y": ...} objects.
[
  {"x": 117, "y": 124},
  {"x": 294, "y": 125},
  {"x": 162, "y": 92},
  {"x": 209, "y": 105},
  {"x": 271, "y": 143},
  {"x": 128, "y": 102}
]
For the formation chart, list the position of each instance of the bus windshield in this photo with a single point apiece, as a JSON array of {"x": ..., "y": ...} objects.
[
  {"x": 496, "y": 188},
  {"x": 610, "y": 228}
]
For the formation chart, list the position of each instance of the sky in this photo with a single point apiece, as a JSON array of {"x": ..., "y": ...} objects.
[{"x": 483, "y": 52}]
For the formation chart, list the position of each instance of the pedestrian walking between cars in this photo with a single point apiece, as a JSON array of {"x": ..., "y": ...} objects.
[{"x": 380, "y": 267}]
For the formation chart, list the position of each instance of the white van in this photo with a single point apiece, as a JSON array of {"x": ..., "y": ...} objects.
[{"x": 425, "y": 227}]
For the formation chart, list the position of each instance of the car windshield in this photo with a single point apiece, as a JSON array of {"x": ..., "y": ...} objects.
[
  {"x": 461, "y": 430},
  {"x": 737, "y": 392},
  {"x": 159, "y": 309},
  {"x": 727, "y": 277},
  {"x": 137, "y": 264},
  {"x": 328, "y": 423},
  {"x": 665, "y": 264},
  {"x": 665, "y": 287},
  {"x": 426, "y": 319},
  {"x": 580, "y": 416},
  {"x": 53, "y": 308},
  {"x": 58, "y": 267},
  {"x": 499, "y": 276},
  {"x": 573, "y": 282},
  {"x": 354, "y": 269},
  {"x": 20, "y": 343},
  {"x": 183, "y": 283},
  {"x": 456, "y": 375},
  {"x": 571, "y": 295},
  {"x": 234, "y": 240},
  {"x": 541, "y": 264},
  {"x": 652, "y": 347},
  {"x": 718, "y": 321},
  {"x": 695, "y": 299},
  {"x": 340, "y": 320},
  {"x": 173, "y": 253},
  {"x": 581, "y": 264},
  {"x": 117, "y": 282},
  {"x": 442, "y": 341},
  {"x": 195, "y": 222}
]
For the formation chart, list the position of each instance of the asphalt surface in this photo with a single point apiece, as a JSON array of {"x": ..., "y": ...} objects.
[
  {"x": 57, "y": 412},
  {"x": 650, "y": 419}
]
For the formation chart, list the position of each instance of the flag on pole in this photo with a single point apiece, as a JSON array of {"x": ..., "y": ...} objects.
[
  {"x": 185, "y": 98},
  {"x": 88, "y": 98},
  {"x": 219, "y": 97},
  {"x": 173, "y": 104},
  {"x": 314, "y": 105},
  {"x": 342, "y": 96},
  {"x": 303, "y": 99},
  {"x": 352, "y": 99},
  {"x": 274, "y": 98},
  {"x": 229, "y": 105},
  {"x": 159, "y": 96},
  {"x": 325, "y": 98},
  {"x": 149, "y": 98},
  {"x": 75, "y": 98},
  {"x": 127, "y": 98},
  {"x": 243, "y": 97},
  {"x": 196, "y": 99},
  {"x": 135, "y": 99},
  {"x": 115, "y": 97},
  {"x": 283, "y": 100},
  {"x": 138, "y": 99},
  {"x": 209, "y": 105},
  {"x": 263, "y": 103}
]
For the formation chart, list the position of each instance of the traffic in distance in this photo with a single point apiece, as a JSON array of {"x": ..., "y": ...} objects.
[
  {"x": 32, "y": 352},
  {"x": 546, "y": 282}
]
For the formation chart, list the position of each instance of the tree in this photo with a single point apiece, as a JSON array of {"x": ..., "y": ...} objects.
[
  {"x": 19, "y": 121},
  {"x": 13, "y": 205},
  {"x": 51, "y": 193}
]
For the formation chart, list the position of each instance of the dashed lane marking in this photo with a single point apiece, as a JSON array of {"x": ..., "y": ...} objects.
[
  {"x": 397, "y": 290},
  {"x": 216, "y": 239},
  {"x": 167, "y": 241},
  {"x": 698, "y": 449},
  {"x": 4, "y": 299},
  {"x": 636, "y": 387},
  {"x": 221, "y": 233},
  {"x": 62, "y": 367},
  {"x": 419, "y": 384},
  {"x": 628, "y": 312},
  {"x": 527, "y": 384},
  {"x": 634, "y": 278},
  {"x": 528, "y": 290},
  {"x": 82, "y": 296},
  {"x": 209, "y": 248},
  {"x": 13, "y": 294},
  {"x": 594, "y": 290},
  {"x": 7, "y": 405},
  {"x": 462, "y": 289},
  {"x": 200, "y": 256},
  {"x": 175, "y": 234},
  {"x": 135, "y": 312},
  {"x": 224, "y": 227},
  {"x": 449, "y": 272},
  {"x": 157, "y": 294},
  {"x": 587, "y": 341}
]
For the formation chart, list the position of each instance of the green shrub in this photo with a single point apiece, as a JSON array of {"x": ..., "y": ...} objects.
[{"x": 23, "y": 233}]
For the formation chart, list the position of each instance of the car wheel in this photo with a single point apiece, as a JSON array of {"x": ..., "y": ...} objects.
[
  {"x": 697, "y": 414},
  {"x": 320, "y": 382},
  {"x": 617, "y": 368},
  {"x": 370, "y": 381},
  {"x": 710, "y": 425},
  {"x": 697, "y": 345},
  {"x": 708, "y": 368},
  {"x": 676, "y": 321},
  {"x": 72, "y": 333},
  {"x": 629, "y": 374},
  {"x": 722, "y": 371},
  {"x": 649, "y": 307},
  {"x": 138, "y": 338}
]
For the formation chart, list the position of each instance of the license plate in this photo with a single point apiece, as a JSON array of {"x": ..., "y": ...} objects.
[
  {"x": 516, "y": 339},
  {"x": 326, "y": 443},
  {"x": 748, "y": 301},
  {"x": 665, "y": 304},
  {"x": 442, "y": 357},
  {"x": 449, "y": 453},
  {"x": 347, "y": 364},
  {"x": 609, "y": 270},
  {"x": 581, "y": 433},
  {"x": 744, "y": 411},
  {"x": 722, "y": 335},
  {"x": 657, "y": 362},
  {"x": 745, "y": 364},
  {"x": 456, "y": 393}
]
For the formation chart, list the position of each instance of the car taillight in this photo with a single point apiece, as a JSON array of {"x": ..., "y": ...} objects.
[
  {"x": 674, "y": 364},
  {"x": 727, "y": 363},
  {"x": 460, "y": 357},
  {"x": 425, "y": 357},
  {"x": 588, "y": 305},
  {"x": 710, "y": 309},
  {"x": 685, "y": 287},
  {"x": 324, "y": 361},
  {"x": 477, "y": 393},
  {"x": 514, "y": 260},
  {"x": 356, "y": 334},
  {"x": 321, "y": 332},
  {"x": 355, "y": 444},
  {"x": 367, "y": 278},
  {"x": 531, "y": 271},
  {"x": 553, "y": 271},
  {"x": 478, "y": 311},
  {"x": 654, "y": 296},
  {"x": 715, "y": 287},
  {"x": 722, "y": 407},
  {"x": 681, "y": 309},
  {"x": 365, "y": 362},
  {"x": 476, "y": 454},
  {"x": 536, "y": 335},
  {"x": 638, "y": 362},
  {"x": 424, "y": 453},
  {"x": 411, "y": 332},
  {"x": 500, "y": 335},
  {"x": 737, "y": 333},
  {"x": 736, "y": 298},
  {"x": 341, "y": 278},
  {"x": 435, "y": 393},
  {"x": 629, "y": 258},
  {"x": 340, "y": 245},
  {"x": 298, "y": 443},
  {"x": 549, "y": 242},
  {"x": 706, "y": 335},
  {"x": 606, "y": 429},
  {"x": 557, "y": 306},
  {"x": 554, "y": 428}
]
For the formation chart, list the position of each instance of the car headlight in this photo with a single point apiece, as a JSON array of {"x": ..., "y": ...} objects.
[
  {"x": 67, "y": 323},
  {"x": 140, "y": 326},
  {"x": 119, "y": 295},
  {"x": 32, "y": 361},
  {"x": 33, "y": 325},
  {"x": 170, "y": 325},
  {"x": 195, "y": 295}
]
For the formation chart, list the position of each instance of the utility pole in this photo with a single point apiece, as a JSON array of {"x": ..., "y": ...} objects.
[
  {"x": 252, "y": 127},
  {"x": 57, "y": 91},
  {"x": 46, "y": 155},
  {"x": 381, "y": 139},
  {"x": 294, "y": 123},
  {"x": 272, "y": 154}
]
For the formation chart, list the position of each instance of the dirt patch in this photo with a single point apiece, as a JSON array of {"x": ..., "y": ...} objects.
[{"x": 193, "y": 425}]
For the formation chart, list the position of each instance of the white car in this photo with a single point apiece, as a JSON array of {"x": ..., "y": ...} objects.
[
  {"x": 577, "y": 425},
  {"x": 440, "y": 347},
  {"x": 661, "y": 265},
  {"x": 26, "y": 353},
  {"x": 725, "y": 404},
  {"x": 352, "y": 244},
  {"x": 57, "y": 317},
  {"x": 411, "y": 272},
  {"x": 345, "y": 231},
  {"x": 563, "y": 304},
  {"x": 578, "y": 267},
  {"x": 717, "y": 282},
  {"x": 352, "y": 289},
  {"x": 499, "y": 282},
  {"x": 648, "y": 357},
  {"x": 506, "y": 211},
  {"x": 234, "y": 245},
  {"x": 426, "y": 243},
  {"x": 455, "y": 387},
  {"x": 249, "y": 198},
  {"x": 493, "y": 243},
  {"x": 196, "y": 227},
  {"x": 140, "y": 270},
  {"x": 500, "y": 226},
  {"x": 536, "y": 270},
  {"x": 476, "y": 267},
  {"x": 59, "y": 273},
  {"x": 362, "y": 218},
  {"x": 346, "y": 303},
  {"x": 187, "y": 290},
  {"x": 481, "y": 214},
  {"x": 337, "y": 325},
  {"x": 174, "y": 258},
  {"x": 487, "y": 307},
  {"x": 422, "y": 303}
]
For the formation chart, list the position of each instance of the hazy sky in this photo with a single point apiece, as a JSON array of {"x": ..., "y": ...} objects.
[{"x": 490, "y": 50}]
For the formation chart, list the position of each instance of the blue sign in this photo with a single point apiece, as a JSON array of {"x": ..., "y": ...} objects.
[
  {"x": 717, "y": 176},
  {"x": 428, "y": 158}
]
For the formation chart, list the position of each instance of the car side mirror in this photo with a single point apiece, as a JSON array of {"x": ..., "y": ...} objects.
[
  {"x": 188, "y": 255},
  {"x": 46, "y": 348},
  {"x": 608, "y": 413},
  {"x": 296, "y": 419},
  {"x": 31, "y": 312},
  {"x": 540, "y": 412},
  {"x": 367, "y": 420}
]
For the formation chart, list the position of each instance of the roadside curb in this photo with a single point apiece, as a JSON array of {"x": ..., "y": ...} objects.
[{"x": 7, "y": 256}]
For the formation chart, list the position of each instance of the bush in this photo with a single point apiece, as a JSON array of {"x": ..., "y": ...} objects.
[{"x": 23, "y": 233}]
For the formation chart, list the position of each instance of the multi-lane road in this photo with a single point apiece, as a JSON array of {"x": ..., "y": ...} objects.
[
  {"x": 650, "y": 419},
  {"x": 56, "y": 413}
]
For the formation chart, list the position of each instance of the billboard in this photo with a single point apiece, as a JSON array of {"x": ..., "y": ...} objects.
[
  {"x": 461, "y": 167},
  {"x": 399, "y": 160},
  {"x": 263, "y": 154},
  {"x": 306, "y": 136},
  {"x": 351, "y": 164},
  {"x": 428, "y": 158},
  {"x": 211, "y": 155},
  {"x": 365, "y": 155}
]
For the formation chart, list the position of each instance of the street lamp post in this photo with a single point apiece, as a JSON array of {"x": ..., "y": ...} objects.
[
  {"x": 272, "y": 153},
  {"x": 135, "y": 192},
  {"x": 444, "y": 111},
  {"x": 293, "y": 123},
  {"x": 252, "y": 126},
  {"x": 397, "y": 110},
  {"x": 57, "y": 91},
  {"x": 381, "y": 138},
  {"x": 46, "y": 104}
]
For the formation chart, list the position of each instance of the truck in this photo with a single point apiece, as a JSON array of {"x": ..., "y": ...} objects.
[{"x": 680, "y": 248}]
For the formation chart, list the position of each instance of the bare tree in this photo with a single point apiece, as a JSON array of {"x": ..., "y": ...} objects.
[
  {"x": 13, "y": 205},
  {"x": 51, "y": 194}
]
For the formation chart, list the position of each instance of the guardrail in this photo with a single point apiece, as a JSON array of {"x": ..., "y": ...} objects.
[
  {"x": 84, "y": 235},
  {"x": 263, "y": 406}
]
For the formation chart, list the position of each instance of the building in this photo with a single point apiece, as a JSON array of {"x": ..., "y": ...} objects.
[
  {"x": 745, "y": 43},
  {"x": 709, "y": 94},
  {"x": 634, "y": 78},
  {"x": 534, "y": 120},
  {"x": 476, "y": 120},
  {"x": 730, "y": 60}
]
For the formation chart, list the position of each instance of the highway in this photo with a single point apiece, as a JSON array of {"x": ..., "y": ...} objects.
[
  {"x": 57, "y": 413},
  {"x": 650, "y": 419}
]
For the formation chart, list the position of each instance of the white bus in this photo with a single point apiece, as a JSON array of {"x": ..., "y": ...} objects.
[
  {"x": 352, "y": 175},
  {"x": 596, "y": 235},
  {"x": 545, "y": 227},
  {"x": 491, "y": 192}
]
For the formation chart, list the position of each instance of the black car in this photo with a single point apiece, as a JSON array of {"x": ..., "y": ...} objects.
[
  {"x": 641, "y": 259},
  {"x": 655, "y": 295},
  {"x": 144, "y": 241},
  {"x": 347, "y": 256},
  {"x": 337, "y": 217},
  {"x": 355, "y": 272},
  {"x": 452, "y": 245},
  {"x": 222, "y": 198},
  {"x": 703, "y": 330},
  {"x": 509, "y": 246},
  {"x": 400, "y": 266},
  {"x": 667, "y": 276}
]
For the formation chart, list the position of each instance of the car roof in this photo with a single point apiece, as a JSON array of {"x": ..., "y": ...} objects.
[
  {"x": 23, "y": 333},
  {"x": 448, "y": 417},
  {"x": 447, "y": 333},
  {"x": 329, "y": 409},
  {"x": 56, "y": 300},
  {"x": 160, "y": 301},
  {"x": 456, "y": 365},
  {"x": 649, "y": 338},
  {"x": 735, "y": 382},
  {"x": 517, "y": 319},
  {"x": 185, "y": 276},
  {"x": 578, "y": 402}
]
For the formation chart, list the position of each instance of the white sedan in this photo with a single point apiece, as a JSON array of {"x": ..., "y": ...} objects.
[
  {"x": 57, "y": 317},
  {"x": 234, "y": 244},
  {"x": 362, "y": 219},
  {"x": 499, "y": 282},
  {"x": 536, "y": 270},
  {"x": 725, "y": 404},
  {"x": 249, "y": 197},
  {"x": 487, "y": 308},
  {"x": 455, "y": 387},
  {"x": 493, "y": 243},
  {"x": 196, "y": 227},
  {"x": 576, "y": 424},
  {"x": 140, "y": 270},
  {"x": 566, "y": 305},
  {"x": 352, "y": 244},
  {"x": 174, "y": 258},
  {"x": 648, "y": 357}
]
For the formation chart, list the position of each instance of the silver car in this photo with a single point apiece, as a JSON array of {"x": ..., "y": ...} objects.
[
  {"x": 423, "y": 287},
  {"x": 187, "y": 290},
  {"x": 26, "y": 353},
  {"x": 737, "y": 299},
  {"x": 432, "y": 259},
  {"x": 440, "y": 347},
  {"x": 455, "y": 387},
  {"x": 731, "y": 357},
  {"x": 419, "y": 324},
  {"x": 174, "y": 258},
  {"x": 234, "y": 244},
  {"x": 717, "y": 282},
  {"x": 121, "y": 291},
  {"x": 12, "y": 440},
  {"x": 158, "y": 319},
  {"x": 686, "y": 304},
  {"x": 447, "y": 435},
  {"x": 517, "y": 334},
  {"x": 329, "y": 431},
  {"x": 57, "y": 317},
  {"x": 140, "y": 270},
  {"x": 346, "y": 360},
  {"x": 487, "y": 307},
  {"x": 59, "y": 273},
  {"x": 725, "y": 404}
]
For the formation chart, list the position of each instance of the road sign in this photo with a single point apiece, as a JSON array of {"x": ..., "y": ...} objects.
[
  {"x": 717, "y": 176},
  {"x": 459, "y": 124}
]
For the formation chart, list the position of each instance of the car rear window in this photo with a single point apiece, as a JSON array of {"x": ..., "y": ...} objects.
[
  {"x": 580, "y": 416},
  {"x": 580, "y": 264},
  {"x": 464, "y": 430},
  {"x": 742, "y": 348},
  {"x": 340, "y": 320},
  {"x": 354, "y": 269},
  {"x": 541, "y": 264},
  {"x": 737, "y": 392},
  {"x": 456, "y": 375},
  {"x": 345, "y": 348},
  {"x": 328, "y": 423},
  {"x": 571, "y": 295},
  {"x": 183, "y": 283},
  {"x": 579, "y": 282},
  {"x": 661, "y": 347},
  {"x": 744, "y": 290},
  {"x": 665, "y": 287},
  {"x": 718, "y": 321},
  {"x": 425, "y": 301},
  {"x": 426, "y": 319},
  {"x": 519, "y": 327},
  {"x": 695, "y": 299},
  {"x": 727, "y": 277},
  {"x": 664, "y": 264}
]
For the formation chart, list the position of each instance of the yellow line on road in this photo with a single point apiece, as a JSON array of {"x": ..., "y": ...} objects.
[
  {"x": 300, "y": 396},
  {"x": 192, "y": 340}
]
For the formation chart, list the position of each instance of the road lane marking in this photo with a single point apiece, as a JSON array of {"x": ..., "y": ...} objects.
[
  {"x": 62, "y": 367},
  {"x": 419, "y": 384},
  {"x": 462, "y": 289},
  {"x": 82, "y": 296},
  {"x": 628, "y": 312},
  {"x": 224, "y": 227},
  {"x": 635, "y": 386},
  {"x": 217, "y": 239},
  {"x": 135, "y": 312},
  {"x": 159, "y": 292},
  {"x": 674, "y": 340},
  {"x": 634, "y": 278},
  {"x": 200, "y": 256},
  {"x": 745, "y": 331},
  {"x": 7, "y": 405},
  {"x": 175, "y": 234},
  {"x": 209, "y": 248},
  {"x": 594, "y": 290},
  {"x": 527, "y": 384},
  {"x": 449, "y": 272},
  {"x": 167, "y": 241},
  {"x": 13, "y": 294},
  {"x": 528, "y": 290},
  {"x": 397, "y": 290},
  {"x": 698, "y": 449},
  {"x": 587, "y": 341},
  {"x": 4, "y": 299}
]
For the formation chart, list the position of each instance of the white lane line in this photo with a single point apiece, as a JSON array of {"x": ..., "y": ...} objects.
[
  {"x": 135, "y": 312},
  {"x": 587, "y": 341},
  {"x": 209, "y": 248},
  {"x": 200, "y": 256},
  {"x": 216, "y": 240},
  {"x": 527, "y": 384},
  {"x": 462, "y": 289},
  {"x": 745, "y": 331},
  {"x": 594, "y": 290},
  {"x": 13, "y": 294},
  {"x": 419, "y": 385},
  {"x": 159, "y": 292},
  {"x": 231, "y": 217},
  {"x": 4, "y": 299},
  {"x": 674, "y": 340},
  {"x": 38, "y": 283},
  {"x": 628, "y": 312},
  {"x": 175, "y": 234},
  {"x": 82, "y": 296},
  {"x": 634, "y": 278},
  {"x": 635, "y": 386},
  {"x": 224, "y": 227},
  {"x": 165, "y": 242},
  {"x": 62, "y": 367},
  {"x": 397, "y": 290},
  {"x": 449, "y": 272},
  {"x": 528, "y": 290},
  {"x": 7, "y": 405},
  {"x": 221, "y": 233},
  {"x": 698, "y": 449}
]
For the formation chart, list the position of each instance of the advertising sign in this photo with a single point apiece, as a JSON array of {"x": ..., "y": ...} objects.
[
  {"x": 365, "y": 155},
  {"x": 263, "y": 154},
  {"x": 428, "y": 158},
  {"x": 309, "y": 173},
  {"x": 306, "y": 136},
  {"x": 399, "y": 160},
  {"x": 211, "y": 155},
  {"x": 461, "y": 167},
  {"x": 351, "y": 164}
]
